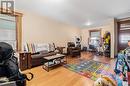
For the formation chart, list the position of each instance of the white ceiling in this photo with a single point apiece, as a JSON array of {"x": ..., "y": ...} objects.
[{"x": 77, "y": 12}]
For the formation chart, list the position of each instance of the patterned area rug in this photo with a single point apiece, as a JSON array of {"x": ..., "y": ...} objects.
[{"x": 88, "y": 68}]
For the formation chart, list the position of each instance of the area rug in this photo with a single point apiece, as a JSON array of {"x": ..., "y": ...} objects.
[{"x": 88, "y": 68}]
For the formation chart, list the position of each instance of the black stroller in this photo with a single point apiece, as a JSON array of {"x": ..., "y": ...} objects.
[{"x": 9, "y": 70}]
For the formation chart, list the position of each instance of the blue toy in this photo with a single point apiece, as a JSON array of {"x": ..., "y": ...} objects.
[
  {"x": 120, "y": 64},
  {"x": 121, "y": 69},
  {"x": 119, "y": 81}
]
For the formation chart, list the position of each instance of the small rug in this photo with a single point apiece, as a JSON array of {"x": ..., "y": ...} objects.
[{"x": 88, "y": 68}]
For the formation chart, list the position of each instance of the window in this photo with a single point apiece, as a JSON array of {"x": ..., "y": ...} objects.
[
  {"x": 8, "y": 30},
  {"x": 95, "y": 33},
  {"x": 11, "y": 29},
  {"x": 95, "y": 36}
]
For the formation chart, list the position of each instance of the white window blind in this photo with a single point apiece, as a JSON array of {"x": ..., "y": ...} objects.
[
  {"x": 95, "y": 38},
  {"x": 8, "y": 30},
  {"x": 95, "y": 34}
]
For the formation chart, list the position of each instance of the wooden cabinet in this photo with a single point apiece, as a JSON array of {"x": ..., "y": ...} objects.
[{"x": 25, "y": 60}]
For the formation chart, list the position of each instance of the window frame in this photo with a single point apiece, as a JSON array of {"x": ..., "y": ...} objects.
[
  {"x": 95, "y": 30},
  {"x": 18, "y": 17}
]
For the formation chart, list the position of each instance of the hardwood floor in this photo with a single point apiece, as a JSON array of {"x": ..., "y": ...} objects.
[{"x": 61, "y": 76}]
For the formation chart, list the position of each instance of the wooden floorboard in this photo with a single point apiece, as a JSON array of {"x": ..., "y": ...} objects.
[{"x": 61, "y": 76}]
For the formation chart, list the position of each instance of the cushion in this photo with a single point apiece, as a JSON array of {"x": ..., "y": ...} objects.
[
  {"x": 48, "y": 54},
  {"x": 51, "y": 47},
  {"x": 29, "y": 47},
  {"x": 44, "y": 52},
  {"x": 36, "y": 56},
  {"x": 41, "y": 47}
]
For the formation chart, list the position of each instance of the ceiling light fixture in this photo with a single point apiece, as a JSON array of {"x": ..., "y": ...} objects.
[{"x": 88, "y": 23}]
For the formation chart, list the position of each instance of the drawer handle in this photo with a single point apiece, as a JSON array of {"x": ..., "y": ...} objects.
[
  {"x": 23, "y": 58},
  {"x": 24, "y": 54}
]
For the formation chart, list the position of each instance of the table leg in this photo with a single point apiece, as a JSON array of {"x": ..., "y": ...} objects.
[
  {"x": 48, "y": 67},
  {"x": 66, "y": 59}
]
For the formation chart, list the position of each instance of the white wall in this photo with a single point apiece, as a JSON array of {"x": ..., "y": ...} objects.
[
  {"x": 39, "y": 29},
  {"x": 107, "y": 27}
]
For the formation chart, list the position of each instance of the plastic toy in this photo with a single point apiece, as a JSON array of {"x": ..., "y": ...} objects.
[
  {"x": 104, "y": 81},
  {"x": 119, "y": 81},
  {"x": 120, "y": 64},
  {"x": 107, "y": 43},
  {"x": 121, "y": 69}
]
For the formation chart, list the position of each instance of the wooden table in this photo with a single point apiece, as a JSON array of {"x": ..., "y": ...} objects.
[{"x": 50, "y": 61}]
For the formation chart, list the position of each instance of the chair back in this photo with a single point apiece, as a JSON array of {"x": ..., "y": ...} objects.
[{"x": 71, "y": 44}]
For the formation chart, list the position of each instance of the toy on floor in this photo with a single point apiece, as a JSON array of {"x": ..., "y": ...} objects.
[
  {"x": 120, "y": 64},
  {"x": 107, "y": 43},
  {"x": 99, "y": 50},
  {"x": 104, "y": 81},
  {"x": 119, "y": 81},
  {"x": 121, "y": 67}
]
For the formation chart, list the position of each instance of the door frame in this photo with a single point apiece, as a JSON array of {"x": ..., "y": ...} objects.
[{"x": 119, "y": 22}]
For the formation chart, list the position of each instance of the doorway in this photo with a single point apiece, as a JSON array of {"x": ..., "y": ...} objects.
[{"x": 123, "y": 34}]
